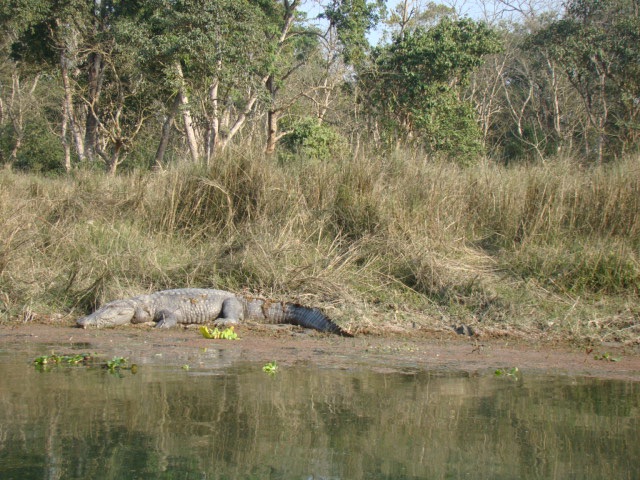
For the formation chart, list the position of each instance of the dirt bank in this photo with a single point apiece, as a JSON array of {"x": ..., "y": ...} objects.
[{"x": 287, "y": 346}]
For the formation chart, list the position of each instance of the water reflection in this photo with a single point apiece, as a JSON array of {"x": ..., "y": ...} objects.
[{"x": 310, "y": 423}]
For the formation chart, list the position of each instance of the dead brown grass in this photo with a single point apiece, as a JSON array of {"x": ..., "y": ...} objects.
[{"x": 381, "y": 242}]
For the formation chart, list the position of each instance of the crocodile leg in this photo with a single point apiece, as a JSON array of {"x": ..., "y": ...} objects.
[
  {"x": 232, "y": 312},
  {"x": 166, "y": 319}
]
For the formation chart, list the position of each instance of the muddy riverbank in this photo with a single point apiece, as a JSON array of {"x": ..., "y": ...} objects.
[{"x": 289, "y": 346}]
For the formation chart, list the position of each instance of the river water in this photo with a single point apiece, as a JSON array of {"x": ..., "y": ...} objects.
[{"x": 307, "y": 422}]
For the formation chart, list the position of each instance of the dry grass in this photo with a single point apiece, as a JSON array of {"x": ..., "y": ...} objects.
[{"x": 389, "y": 242}]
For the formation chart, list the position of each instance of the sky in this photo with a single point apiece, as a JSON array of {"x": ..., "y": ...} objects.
[
  {"x": 465, "y": 7},
  {"x": 490, "y": 10}
]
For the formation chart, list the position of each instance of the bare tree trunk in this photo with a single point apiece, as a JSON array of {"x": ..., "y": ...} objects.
[
  {"x": 242, "y": 117},
  {"x": 167, "y": 126},
  {"x": 15, "y": 114},
  {"x": 272, "y": 118},
  {"x": 64, "y": 137},
  {"x": 485, "y": 90},
  {"x": 212, "y": 139},
  {"x": 557, "y": 125},
  {"x": 272, "y": 131},
  {"x": 69, "y": 113},
  {"x": 186, "y": 116},
  {"x": 113, "y": 160},
  {"x": 326, "y": 101},
  {"x": 13, "y": 156},
  {"x": 96, "y": 76},
  {"x": 407, "y": 12},
  {"x": 289, "y": 16},
  {"x": 188, "y": 126}
]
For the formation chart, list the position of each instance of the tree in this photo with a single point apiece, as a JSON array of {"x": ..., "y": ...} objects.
[
  {"x": 415, "y": 85},
  {"x": 313, "y": 63},
  {"x": 598, "y": 44},
  {"x": 411, "y": 14},
  {"x": 352, "y": 20},
  {"x": 18, "y": 82},
  {"x": 210, "y": 59},
  {"x": 219, "y": 61},
  {"x": 528, "y": 107},
  {"x": 105, "y": 94}
]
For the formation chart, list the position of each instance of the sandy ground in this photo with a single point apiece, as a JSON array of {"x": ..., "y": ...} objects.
[{"x": 287, "y": 345}]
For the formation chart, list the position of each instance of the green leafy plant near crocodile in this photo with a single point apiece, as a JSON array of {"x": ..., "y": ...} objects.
[
  {"x": 216, "y": 334},
  {"x": 270, "y": 368}
]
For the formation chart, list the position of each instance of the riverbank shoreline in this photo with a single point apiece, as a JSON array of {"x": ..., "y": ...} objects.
[{"x": 438, "y": 351}]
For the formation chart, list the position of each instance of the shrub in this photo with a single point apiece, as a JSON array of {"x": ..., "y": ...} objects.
[
  {"x": 317, "y": 141},
  {"x": 41, "y": 151}
]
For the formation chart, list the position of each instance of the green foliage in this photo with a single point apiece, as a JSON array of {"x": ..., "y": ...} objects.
[
  {"x": 270, "y": 368},
  {"x": 216, "y": 334},
  {"x": 55, "y": 359},
  {"x": 568, "y": 80},
  {"x": 415, "y": 85},
  {"x": 598, "y": 46},
  {"x": 353, "y": 19},
  {"x": 211, "y": 39},
  {"x": 41, "y": 150},
  {"x": 114, "y": 366},
  {"x": 512, "y": 373},
  {"x": 116, "y": 363},
  {"x": 313, "y": 140},
  {"x": 448, "y": 125},
  {"x": 419, "y": 15},
  {"x": 580, "y": 268}
]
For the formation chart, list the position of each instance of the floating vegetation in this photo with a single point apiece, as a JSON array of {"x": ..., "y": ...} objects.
[
  {"x": 115, "y": 365},
  {"x": 512, "y": 372},
  {"x": 226, "y": 334},
  {"x": 607, "y": 357},
  {"x": 271, "y": 368},
  {"x": 55, "y": 359}
]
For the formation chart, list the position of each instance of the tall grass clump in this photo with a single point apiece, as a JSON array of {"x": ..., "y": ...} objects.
[{"x": 378, "y": 240}]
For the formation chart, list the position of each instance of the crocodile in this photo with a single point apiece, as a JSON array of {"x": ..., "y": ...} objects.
[{"x": 169, "y": 308}]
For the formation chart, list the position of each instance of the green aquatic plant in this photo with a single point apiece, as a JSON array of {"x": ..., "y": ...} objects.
[
  {"x": 510, "y": 372},
  {"x": 82, "y": 359},
  {"x": 215, "y": 334},
  {"x": 271, "y": 368},
  {"x": 607, "y": 356},
  {"x": 77, "y": 359},
  {"x": 55, "y": 359},
  {"x": 116, "y": 363},
  {"x": 44, "y": 360}
]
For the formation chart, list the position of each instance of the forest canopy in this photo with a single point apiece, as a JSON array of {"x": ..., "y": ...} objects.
[{"x": 133, "y": 84}]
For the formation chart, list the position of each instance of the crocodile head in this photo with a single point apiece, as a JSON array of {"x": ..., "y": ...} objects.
[{"x": 119, "y": 312}]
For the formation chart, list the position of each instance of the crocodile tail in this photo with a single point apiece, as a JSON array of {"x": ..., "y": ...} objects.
[
  {"x": 292, "y": 313},
  {"x": 312, "y": 318}
]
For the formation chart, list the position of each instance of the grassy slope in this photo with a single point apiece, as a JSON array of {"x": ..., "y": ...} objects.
[{"x": 395, "y": 243}]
